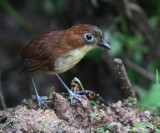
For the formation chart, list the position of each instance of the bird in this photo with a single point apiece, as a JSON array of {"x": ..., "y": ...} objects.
[{"x": 58, "y": 51}]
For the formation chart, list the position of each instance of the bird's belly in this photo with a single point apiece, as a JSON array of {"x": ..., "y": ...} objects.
[{"x": 68, "y": 60}]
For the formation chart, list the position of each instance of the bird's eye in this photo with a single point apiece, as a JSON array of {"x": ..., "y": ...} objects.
[{"x": 88, "y": 37}]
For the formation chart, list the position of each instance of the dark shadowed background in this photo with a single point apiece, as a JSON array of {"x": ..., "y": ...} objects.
[{"x": 131, "y": 27}]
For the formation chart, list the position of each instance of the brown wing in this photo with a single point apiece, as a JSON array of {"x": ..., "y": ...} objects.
[{"x": 39, "y": 53}]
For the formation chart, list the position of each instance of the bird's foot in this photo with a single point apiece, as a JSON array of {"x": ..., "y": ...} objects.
[
  {"x": 41, "y": 102},
  {"x": 76, "y": 96},
  {"x": 71, "y": 94}
]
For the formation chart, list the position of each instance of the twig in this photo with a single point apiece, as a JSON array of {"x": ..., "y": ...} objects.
[
  {"x": 140, "y": 70},
  {"x": 126, "y": 85},
  {"x": 1, "y": 95}
]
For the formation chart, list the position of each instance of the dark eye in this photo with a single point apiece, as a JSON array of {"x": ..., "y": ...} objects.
[{"x": 88, "y": 37}]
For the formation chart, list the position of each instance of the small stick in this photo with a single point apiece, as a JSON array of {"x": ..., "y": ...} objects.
[{"x": 126, "y": 85}]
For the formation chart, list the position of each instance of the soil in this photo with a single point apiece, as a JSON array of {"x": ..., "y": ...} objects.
[{"x": 119, "y": 117}]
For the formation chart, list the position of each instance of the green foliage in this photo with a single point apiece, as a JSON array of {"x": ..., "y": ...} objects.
[
  {"x": 116, "y": 44},
  {"x": 157, "y": 130},
  {"x": 153, "y": 21},
  {"x": 131, "y": 130},
  {"x": 102, "y": 130},
  {"x": 95, "y": 116},
  {"x": 48, "y": 7},
  {"x": 44, "y": 97},
  {"x": 44, "y": 126},
  {"x": 134, "y": 44},
  {"x": 95, "y": 105},
  {"x": 130, "y": 43},
  {"x": 79, "y": 82},
  {"x": 130, "y": 101},
  {"x": 149, "y": 125},
  {"x": 152, "y": 98}
]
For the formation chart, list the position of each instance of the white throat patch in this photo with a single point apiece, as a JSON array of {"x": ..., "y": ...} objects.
[{"x": 68, "y": 60}]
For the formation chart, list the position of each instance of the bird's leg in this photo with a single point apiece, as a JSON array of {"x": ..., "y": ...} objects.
[
  {"x": 40, "y": 100},
  {"x": 71, "y": 94}
]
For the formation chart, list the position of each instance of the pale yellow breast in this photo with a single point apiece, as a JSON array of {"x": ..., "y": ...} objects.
[{"x": 68, "y": 60}]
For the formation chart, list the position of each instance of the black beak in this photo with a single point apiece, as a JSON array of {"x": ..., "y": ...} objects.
[{"x": 104, "y": 44}]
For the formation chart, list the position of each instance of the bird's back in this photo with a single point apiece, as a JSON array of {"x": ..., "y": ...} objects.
[{"x": 37, "y": 54}]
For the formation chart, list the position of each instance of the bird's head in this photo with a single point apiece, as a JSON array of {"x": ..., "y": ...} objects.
[{"x": 85, "y": 35}]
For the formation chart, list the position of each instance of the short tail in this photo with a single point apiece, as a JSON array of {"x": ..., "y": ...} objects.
[{"x": 29, "y": 67}]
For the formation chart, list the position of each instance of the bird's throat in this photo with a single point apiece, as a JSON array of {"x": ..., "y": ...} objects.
[{"x": 71, "y": 58}]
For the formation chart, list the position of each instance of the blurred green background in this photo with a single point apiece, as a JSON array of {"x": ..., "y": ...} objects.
[{"x": 132, "y": 28}]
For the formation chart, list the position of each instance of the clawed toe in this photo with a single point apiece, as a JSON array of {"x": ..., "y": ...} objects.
[
  {"x": 41, "y": 102},
  {"x": 71, "y": 94},
  {"x": 76, "y": 96}
]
